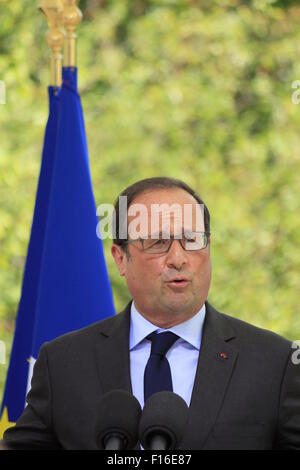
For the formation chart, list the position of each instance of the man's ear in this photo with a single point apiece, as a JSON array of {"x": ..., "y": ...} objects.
[{"x": 120, "y": 258}]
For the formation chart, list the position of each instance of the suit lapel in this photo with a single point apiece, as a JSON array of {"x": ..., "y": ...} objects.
[
  {"x": 112, "y": 353},
  {"x": 212, "y": 378}
]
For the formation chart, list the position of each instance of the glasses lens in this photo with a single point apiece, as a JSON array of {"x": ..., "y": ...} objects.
[
  {"x": 156, "y": 245},
  {"x": 195, "y": 241}
]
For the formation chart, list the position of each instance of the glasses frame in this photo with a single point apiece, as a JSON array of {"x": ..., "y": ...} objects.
[{"x": 171, "y": 239}]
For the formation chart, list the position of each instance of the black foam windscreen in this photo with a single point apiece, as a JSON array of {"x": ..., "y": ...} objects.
[
  {"x": 164, "y": 413},
  {"x": 118, "y": 414}
]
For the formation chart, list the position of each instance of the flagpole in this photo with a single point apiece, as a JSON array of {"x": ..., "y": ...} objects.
[
  {"x": 53, "y": 10},
  {"x": 72, "y": 16}
]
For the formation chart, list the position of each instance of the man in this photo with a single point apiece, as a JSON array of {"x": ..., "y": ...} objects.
[{"x": 240, "y": 382}]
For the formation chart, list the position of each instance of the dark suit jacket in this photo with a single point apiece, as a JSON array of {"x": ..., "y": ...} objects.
[{"x": 249, "y": 400}]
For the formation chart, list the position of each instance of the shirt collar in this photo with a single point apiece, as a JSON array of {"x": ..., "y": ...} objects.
[{"x": 190, "y": 330}]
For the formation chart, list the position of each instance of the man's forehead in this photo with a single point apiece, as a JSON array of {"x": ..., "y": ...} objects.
[
  {"x": 175, "y": 213},
  {"x": 165, "y": 211},
  {"x": 165, "y": 195}
]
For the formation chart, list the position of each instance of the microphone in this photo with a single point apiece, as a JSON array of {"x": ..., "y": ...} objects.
[
  {"x": 118, "y": 420},
  {"x": 163, "y": 421}
]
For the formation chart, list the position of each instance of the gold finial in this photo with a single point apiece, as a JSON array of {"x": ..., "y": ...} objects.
[
  {"x": 71, "y": 18},
  {"x": 53, "y": 10}
]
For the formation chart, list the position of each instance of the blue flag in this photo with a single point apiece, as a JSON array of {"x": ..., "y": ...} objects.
[{"x": 71, "y": 287}]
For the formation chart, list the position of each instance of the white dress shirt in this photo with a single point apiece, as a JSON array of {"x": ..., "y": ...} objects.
[{"x": 182, "y": 356}]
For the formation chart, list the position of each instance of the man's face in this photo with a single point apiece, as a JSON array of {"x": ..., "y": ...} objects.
[{"x": 151, "y": 277}]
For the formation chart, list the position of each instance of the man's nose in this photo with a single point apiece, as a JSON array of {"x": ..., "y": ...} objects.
[{"x": 176, "y": 256}]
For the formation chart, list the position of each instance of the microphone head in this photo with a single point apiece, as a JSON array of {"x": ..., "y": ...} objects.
[
  {"x": 164, "y": 413},
  {"x": 118, "y": 414}
]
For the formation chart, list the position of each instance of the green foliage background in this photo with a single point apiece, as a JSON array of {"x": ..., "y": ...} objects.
[{"x": 199, "y": 90}]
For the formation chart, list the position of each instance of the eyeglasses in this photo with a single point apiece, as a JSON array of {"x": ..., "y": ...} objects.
[{"x": 193, "y": 241}]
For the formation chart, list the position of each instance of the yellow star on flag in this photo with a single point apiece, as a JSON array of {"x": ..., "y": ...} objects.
[{"x": 4, "y": 423}]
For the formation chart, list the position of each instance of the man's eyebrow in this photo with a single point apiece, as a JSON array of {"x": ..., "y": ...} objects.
[{"x": 159, "y": 234}]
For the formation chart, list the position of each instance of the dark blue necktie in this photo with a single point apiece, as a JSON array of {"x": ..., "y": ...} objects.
[{"x": 157, "y": 377}]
